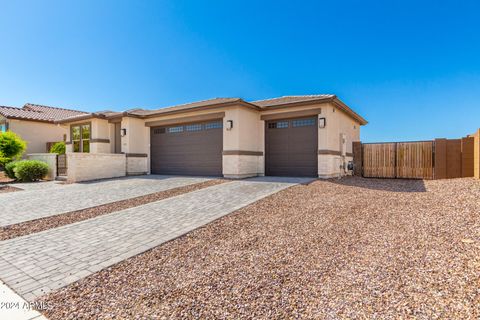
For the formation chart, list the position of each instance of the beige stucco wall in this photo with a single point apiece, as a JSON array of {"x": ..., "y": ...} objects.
[
  {"x": 137, "y": 138},
  {"x": 246, "y": 135},
  {"x": 37, "y": 134},
  {"x": 48, "y": 158},
  {"x": 92, "y": 166},
  {"x": 111, "y": 134}
]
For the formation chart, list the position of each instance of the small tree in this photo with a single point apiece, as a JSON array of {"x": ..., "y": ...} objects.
[
  {"x": 58, "y": 147},
  {"x": 11, "y": 147}
]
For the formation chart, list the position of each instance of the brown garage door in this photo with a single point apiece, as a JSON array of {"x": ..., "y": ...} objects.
[
  {"x": 291, "y": 147},
  {"x": 189, "y": 149}
]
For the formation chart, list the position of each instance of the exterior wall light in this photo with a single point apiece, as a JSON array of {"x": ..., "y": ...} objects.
[
  {"x": 322, "y": 122},
  {"x": 123, "y": 132},
  {"x": 229, "y": 124}
]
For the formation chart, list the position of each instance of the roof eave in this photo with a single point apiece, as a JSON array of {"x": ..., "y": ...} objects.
[
  {"x": 206, "y": 107},
  {"x": 333, "y": 99},
  {"x": 80, "y": 118},
  {"x": 26, "y": 119},
  {"x": 298, "y": 103}
]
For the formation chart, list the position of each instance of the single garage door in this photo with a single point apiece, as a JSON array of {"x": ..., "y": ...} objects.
[
  {"x": 189, "y": 149},
  {"x": 291, "y": 147}
]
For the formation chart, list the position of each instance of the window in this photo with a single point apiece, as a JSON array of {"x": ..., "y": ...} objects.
[
  {"x": 278, "y": 125},
  {"x": 303, "y": 122},
  {"x": 175, "y": 129},
  {"x": 193, "y": 127},
  {"x": 214, "y": 125},
  {"x": 80, "y": 136},
  {"x": 159, "y": 131},
  {"x": 3, "y": 127}
]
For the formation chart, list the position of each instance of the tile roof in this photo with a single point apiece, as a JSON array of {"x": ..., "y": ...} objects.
[
  {"x": 217, "y": 102},
  {"x": 291, "y": 99},
  {"x": 191, "y": 105},
  {"x": 38, "y": 112}
]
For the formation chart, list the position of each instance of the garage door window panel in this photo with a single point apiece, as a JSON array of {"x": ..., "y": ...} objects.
[
  {"x": 175, "y": 129},
  {"x": 214, "y": 125},
  {"x": 278, "y": 125},
  {"x": 194, "y": 127},
  {"x": 303, "y": 123}
]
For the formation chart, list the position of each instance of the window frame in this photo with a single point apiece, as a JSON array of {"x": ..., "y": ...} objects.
[{"x": 81, "y": 139}]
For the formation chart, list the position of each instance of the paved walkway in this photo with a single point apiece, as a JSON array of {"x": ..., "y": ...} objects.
[
  {"x": 47, "y": 199},
  {"x": 35, "y": 264}
]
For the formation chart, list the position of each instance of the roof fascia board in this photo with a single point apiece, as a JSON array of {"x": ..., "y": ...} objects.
[{"x": 206, "y": 107}]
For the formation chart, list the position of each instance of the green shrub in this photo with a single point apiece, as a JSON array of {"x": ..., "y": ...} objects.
[
  {"x": 58, "y": 147},
  {"x": 10, "y": 169},
  {"x": 11, "y": 147},
  {"x": 30, "y": 170}
]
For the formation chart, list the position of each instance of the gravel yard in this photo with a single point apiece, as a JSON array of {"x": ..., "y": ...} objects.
[
  {"x": 28, "y": 227},
  {"x": 354, "y": 248}
]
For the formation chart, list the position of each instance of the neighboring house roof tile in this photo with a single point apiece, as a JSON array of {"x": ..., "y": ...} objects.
[{"x": 38, "y": 113}]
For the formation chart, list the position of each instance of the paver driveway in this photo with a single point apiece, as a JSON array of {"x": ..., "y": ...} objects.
[
  {"x": 35, "y": 203},
  {"x": 35, "y": 264}
]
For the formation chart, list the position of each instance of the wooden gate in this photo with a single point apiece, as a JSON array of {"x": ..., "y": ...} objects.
[
  {"x": 411, "y": 160},
  {"x": 379, "y": 160},
  {"x": 415, "y": 160},
  {"x": 62, "y": 164}
]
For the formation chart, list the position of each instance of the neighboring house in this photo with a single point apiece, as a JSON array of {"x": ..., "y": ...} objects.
[
  {"x": 36, "y": 124},
  {"x": 287, "y": 136}
]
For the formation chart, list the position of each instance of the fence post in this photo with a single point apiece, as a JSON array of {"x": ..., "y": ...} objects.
[
  {"x": 357, "y": 158},
  {"x": 467, "y": 157}
]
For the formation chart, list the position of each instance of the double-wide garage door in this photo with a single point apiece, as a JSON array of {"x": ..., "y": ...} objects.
[
  {"x": 291, "y": 147},
  {"x": 188, "y": 149}
]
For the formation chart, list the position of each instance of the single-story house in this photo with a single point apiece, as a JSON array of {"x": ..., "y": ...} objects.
[
  {"x": 308, "y": 135},
  {"x": 36, "y": 124}
]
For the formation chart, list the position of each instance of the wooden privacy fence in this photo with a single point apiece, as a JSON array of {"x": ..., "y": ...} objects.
[{"x": 438, "y": 159}]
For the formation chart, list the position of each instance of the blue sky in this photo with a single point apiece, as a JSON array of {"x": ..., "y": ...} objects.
[{"x": 412, "y": 68}]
